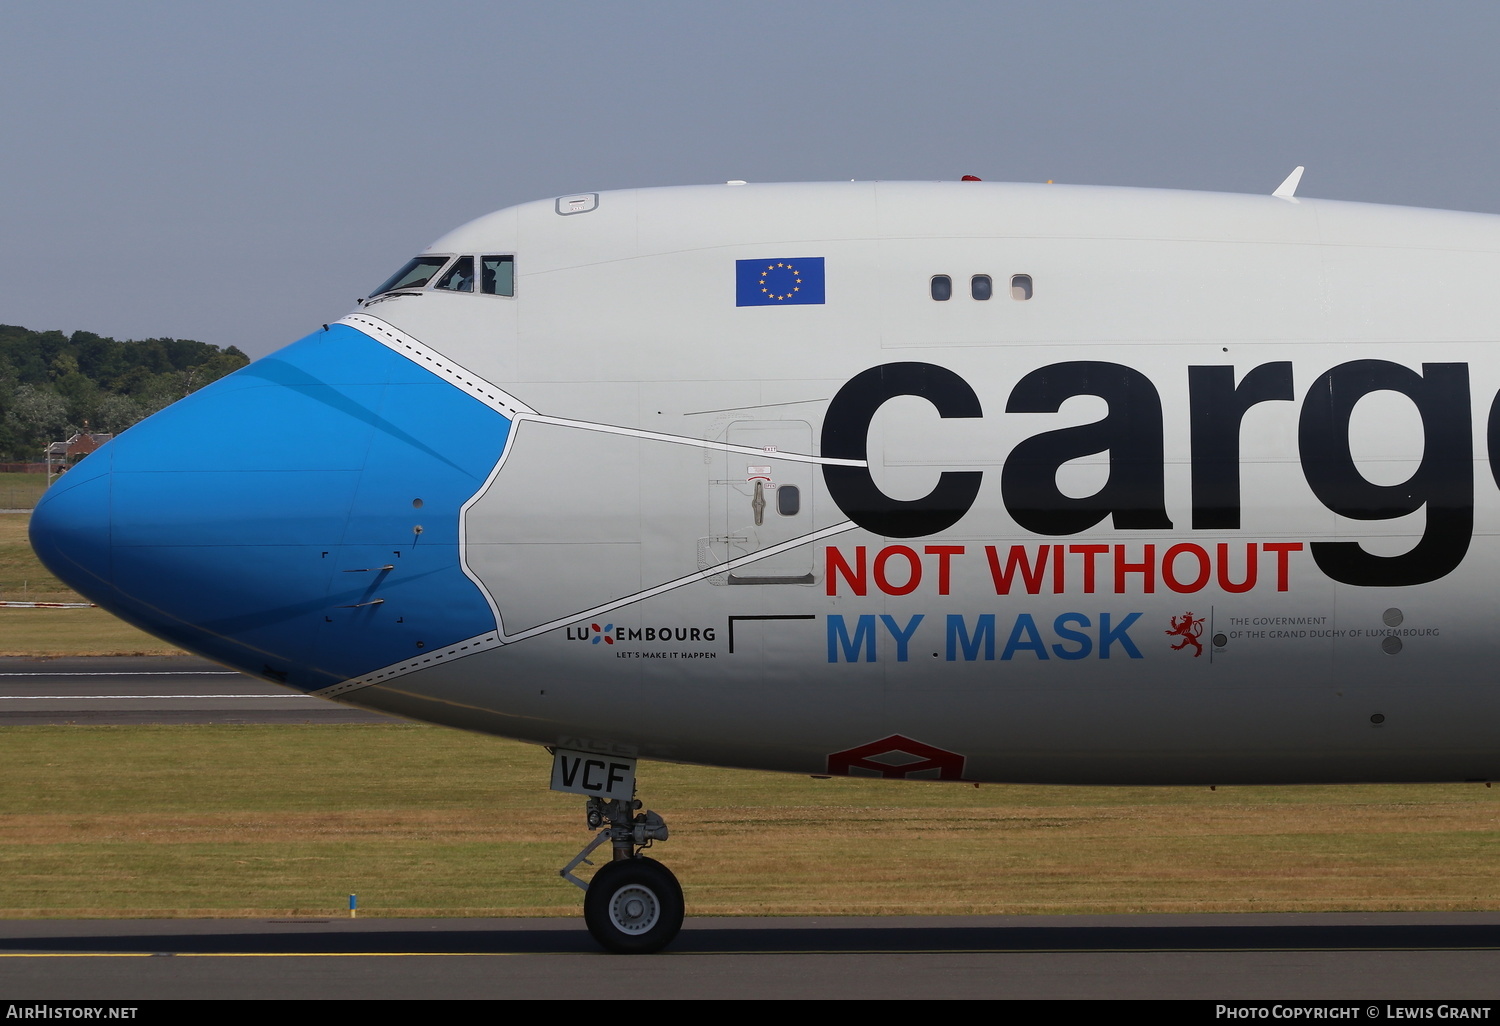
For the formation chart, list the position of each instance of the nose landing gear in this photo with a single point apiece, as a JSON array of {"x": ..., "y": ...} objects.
[{"x": 633, "y": 905}]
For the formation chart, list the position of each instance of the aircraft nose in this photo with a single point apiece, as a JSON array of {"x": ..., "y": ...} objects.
[
  {"x": 298, "y": 519},
  {"x": 70, "y": 526}
]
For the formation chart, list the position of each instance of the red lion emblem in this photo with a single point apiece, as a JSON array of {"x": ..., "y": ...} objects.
[{"x": 1189, "y": 628}]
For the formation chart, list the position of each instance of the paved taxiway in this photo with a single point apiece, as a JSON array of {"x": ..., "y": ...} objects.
[
  {"x": 1446, "y": 956},
  {"x": 1360, "y": 957},
  {"x": 154, "y": 690}
]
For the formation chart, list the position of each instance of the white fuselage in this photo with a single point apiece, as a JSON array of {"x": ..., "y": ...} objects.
[{"x": 1210, "y": 497}]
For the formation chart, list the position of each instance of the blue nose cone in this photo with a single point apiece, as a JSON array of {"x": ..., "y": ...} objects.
[
  {"x": 298, "y": 519},
  {"x": 70, "y": 527}
]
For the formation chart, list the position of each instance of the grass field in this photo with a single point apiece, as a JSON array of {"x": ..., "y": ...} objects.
[
  {"x": 55, "y": 632},
  {"x": 271, "y": 821}
]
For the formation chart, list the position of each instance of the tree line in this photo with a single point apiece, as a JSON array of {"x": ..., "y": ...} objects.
[{"x": 52, "y": 384}]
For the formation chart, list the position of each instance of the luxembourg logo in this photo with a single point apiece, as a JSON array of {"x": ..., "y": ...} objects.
[
  {"x": 780, "y": 281},
  {"x": 609, "y": 634}
]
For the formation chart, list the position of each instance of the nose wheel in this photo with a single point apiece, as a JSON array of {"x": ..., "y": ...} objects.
[{"x": 633, "y": 905}]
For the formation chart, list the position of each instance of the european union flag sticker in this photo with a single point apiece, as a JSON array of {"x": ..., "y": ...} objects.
[{"x": 797, "y": 281}]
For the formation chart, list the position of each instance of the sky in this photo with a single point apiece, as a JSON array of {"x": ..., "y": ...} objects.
[{"x": 240, "y": 173}]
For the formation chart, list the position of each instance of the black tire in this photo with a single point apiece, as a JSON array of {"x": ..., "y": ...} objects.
[{"x": 633, "y": 906}]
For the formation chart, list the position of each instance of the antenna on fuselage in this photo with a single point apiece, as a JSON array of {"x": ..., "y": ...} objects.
[{"x": 1288, "y": 188}]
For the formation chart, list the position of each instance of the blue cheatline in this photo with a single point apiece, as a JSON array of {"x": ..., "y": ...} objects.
[{"x": 250, "y": 522}]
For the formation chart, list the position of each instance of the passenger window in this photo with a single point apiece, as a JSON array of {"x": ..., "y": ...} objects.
[
  {"x": 498, "y": 277},
  {"x": 981, "y": 287},
  {"x": 460, "y": 277},
  {"x": 942, "y": 288},
  {"x": 1020, "y": 286},
  {"x": 788, "y": 500},
  {"x": 414, "y": 275}
]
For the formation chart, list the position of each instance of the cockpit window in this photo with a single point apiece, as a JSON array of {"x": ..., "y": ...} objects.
[
  {"x": 460, "y": 277},
  {"x": 414, "y": 275},
  {"x": 499, "y": 276}
]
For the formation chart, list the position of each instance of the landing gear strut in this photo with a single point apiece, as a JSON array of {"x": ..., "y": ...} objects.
[{"x": 633, "y": 906}]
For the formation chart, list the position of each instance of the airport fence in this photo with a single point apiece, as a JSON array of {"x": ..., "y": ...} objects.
[{"x": 21, "y": 486}]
